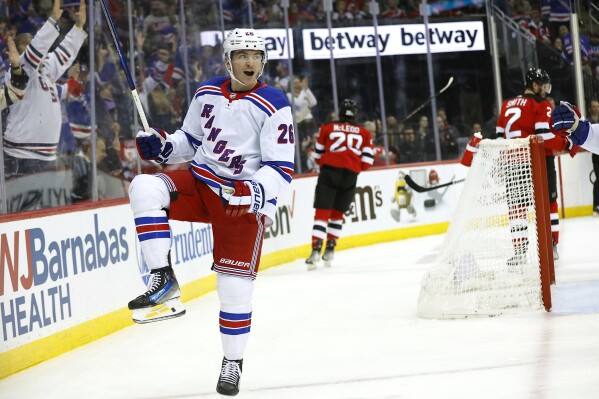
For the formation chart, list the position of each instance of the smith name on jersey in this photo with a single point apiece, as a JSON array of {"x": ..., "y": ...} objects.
[
  {"x": 526, "y": 115},
  {"x": 232, "y": 136}
]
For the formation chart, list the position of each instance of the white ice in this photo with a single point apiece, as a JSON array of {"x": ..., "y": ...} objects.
[{"x": 351, "y": 332}]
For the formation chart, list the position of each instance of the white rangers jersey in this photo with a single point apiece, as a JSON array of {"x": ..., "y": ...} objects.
[
  {"x": 238, "y": 136},
  {"x": 592, "y": 142},
  {"x": 33, "y": 126}
]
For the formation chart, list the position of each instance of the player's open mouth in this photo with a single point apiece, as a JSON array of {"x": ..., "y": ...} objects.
[{"x": 249, "y": 73}]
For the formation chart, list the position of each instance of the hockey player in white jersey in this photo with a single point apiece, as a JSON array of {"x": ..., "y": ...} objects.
[
  {"x": 238, "y": 135},
  {"x": 33, "y": 125},
  {"x": 567, "y": 120},
  {"x": 14, "y": 90}
]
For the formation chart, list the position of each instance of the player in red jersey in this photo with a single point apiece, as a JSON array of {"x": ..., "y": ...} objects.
[
  {"x": 343, "y": 150},
  {"x": 525, "y": 115}
]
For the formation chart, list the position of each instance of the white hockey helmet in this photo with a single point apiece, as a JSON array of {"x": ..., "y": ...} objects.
[{"x": 244, "y": 39}]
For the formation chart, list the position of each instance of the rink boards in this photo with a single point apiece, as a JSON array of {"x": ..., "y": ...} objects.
[{"x": 66, "y": 276}]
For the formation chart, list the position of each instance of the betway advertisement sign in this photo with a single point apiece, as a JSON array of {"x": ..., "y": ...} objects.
[
  {"x": 360, "y": 41},
  {"x": 355, "y": 42},
  {"x": 275, "y": 41}
]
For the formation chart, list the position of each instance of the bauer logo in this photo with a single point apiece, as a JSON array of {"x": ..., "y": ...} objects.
[
  {"x": 366, "y": 200},
  {"x": 37, "y": 274}
]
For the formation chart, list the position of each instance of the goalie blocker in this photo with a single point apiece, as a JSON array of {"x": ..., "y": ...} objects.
[{"x": 497, "y": 253}]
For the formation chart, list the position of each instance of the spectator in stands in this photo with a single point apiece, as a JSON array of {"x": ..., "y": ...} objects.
[
  {"x": 408, "y": 149},
  {"x": 15, "y": 86},
  {"x": 158, "y": 19},
  {"x": 303, "y": 100},
  {"x": 537, "y": 27},
  {"x": 363, "y": 13},
  {"x": 319, "y": 14},
  {"x": 448, "y": 135},
  {"x": 522, "y": 13},
  {"x": 441, "y": 112},
  {"x": 595, "y": 54},
  {"x": 559, "y": 15},
  {"x": 309, "y": 150},
  {"x": 545, "y": 6},
  {"x": 340, "y": 13},
  {"x": 275, "y": 11},
  {"x": 393, "y": 131},
  {"x": 380, "y": 154},
  {"x": 593, "y": 117},
  {"x": 33, "y": 125},
  {"x": 585, "y": 47},
  {"x": 282, "y": 74},
  {"x": 76, "y": 121},
  {"x": 392, "y": 10},
  {"x": 425, "y": 139},
  {"x": 558, "y": 58},
  {"x": 82, "y": 171}
]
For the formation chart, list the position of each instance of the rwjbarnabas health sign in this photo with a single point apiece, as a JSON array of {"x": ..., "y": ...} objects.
[{"x": 360, "y": 41}]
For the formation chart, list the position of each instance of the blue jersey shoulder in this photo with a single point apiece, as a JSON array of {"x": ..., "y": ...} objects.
[{"x": 274, "y": 96}]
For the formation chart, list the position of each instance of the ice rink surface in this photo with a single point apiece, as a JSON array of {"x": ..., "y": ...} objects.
[{"x": 351, "y": 332}]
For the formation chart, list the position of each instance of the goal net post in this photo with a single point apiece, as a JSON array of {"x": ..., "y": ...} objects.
[{"x": 497, "y": 254}]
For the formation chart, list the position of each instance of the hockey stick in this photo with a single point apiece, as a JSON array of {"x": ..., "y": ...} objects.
[
  {"x": 419, "y": 189},
  {"x": 424, "y": 104},
  {"x": 119, "y": 49}
]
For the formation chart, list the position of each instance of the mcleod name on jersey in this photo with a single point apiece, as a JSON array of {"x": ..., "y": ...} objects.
[
  {"x": 344, "y": 145},
  {"x": 238, "y": 136}
]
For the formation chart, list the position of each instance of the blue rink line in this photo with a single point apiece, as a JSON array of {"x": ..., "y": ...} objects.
[{"x": 575, "y": 298}]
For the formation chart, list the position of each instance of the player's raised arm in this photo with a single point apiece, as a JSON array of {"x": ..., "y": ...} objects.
[{"x": 15, "y": 87}]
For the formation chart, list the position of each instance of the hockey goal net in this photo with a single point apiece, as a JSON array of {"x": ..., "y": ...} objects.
[{"x": 497, "y": 253}]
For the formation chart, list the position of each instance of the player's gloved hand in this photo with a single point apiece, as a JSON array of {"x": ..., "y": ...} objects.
[
  {"x": 571, "y": 147},
  {"x": 243, "y": 197},
  {"x": 471, "y": 149},
  {"x": 566, "y": 117},
  {"x": 19, "y": 81},
  {"x": 151, "y": 147}
]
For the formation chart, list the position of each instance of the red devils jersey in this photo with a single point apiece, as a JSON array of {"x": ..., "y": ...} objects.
[
  {"x": 344, "y": 145},
  {"x": 526, "y": 115}
]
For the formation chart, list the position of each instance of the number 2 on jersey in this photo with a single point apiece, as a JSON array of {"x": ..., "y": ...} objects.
[{"x": 515, "y": 113}]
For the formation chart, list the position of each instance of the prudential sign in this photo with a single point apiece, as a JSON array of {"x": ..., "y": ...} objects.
[{"x": 355, "y": 42}]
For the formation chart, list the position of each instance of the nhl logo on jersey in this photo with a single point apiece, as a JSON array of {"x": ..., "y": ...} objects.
[{"x": 233, "y": 95}]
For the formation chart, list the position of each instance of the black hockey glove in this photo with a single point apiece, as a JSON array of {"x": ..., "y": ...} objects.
[{"x": 19, "y": 81}]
